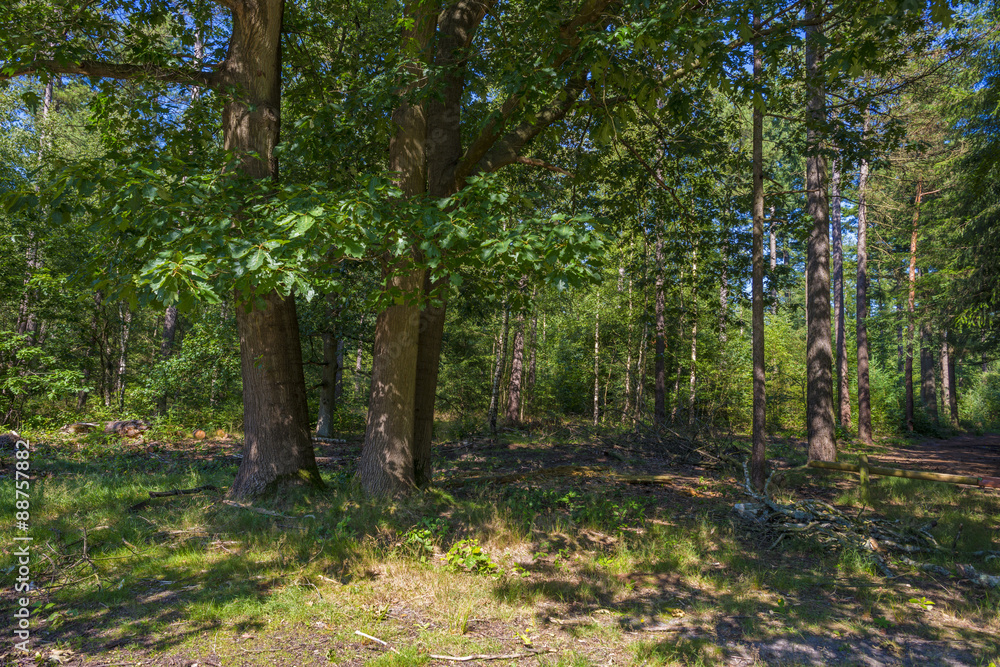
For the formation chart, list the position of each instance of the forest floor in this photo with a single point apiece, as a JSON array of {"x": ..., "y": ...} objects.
[{"x": 549, "y": 564}]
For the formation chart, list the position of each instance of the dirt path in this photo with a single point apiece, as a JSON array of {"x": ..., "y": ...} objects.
[{"x": 963, "y": 455}]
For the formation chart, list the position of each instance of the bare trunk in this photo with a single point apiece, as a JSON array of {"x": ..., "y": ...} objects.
[
  {"x": 640, "y": 381},
  {"x": 125, "y": 316},
  {"x": 864, "y": 390},
  {"x": 843, "y": 388},
  {"x": 758, "y": 459},
  {"x": 819, "y": 381},
  {"x": 660, "y": 399},
  {"x": 946, "y": 389},
  {"x": 597, "y": 353},
  {"x": 910, "y": 307},
  {"x": 692, "y": 379},
  {"x": 166, "y": 351},
  {"x": 628, "y": 358},
  {"x": 928, "y": 383},
  {"x": 724, "y": 289},
  {"x": 953, "y": 388},
  {"x": 773, "y": 257},
  {"x": 357, "y": 364},
  {"x": 328, "y": 385},
  {"x": 516, "y": 373},
  {"x": 498, "y": 365},
  {"x": 534, "y": 346}
]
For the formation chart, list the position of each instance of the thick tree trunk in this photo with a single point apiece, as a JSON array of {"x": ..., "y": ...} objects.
[
  {"x": 516, "y": 374},
  {"x": 910, "y": 308},
  {"x": 843, "y": 388},
  {"x": 328, "y": 385},
  {"x": 928, "y": 383},
  {"x": 499, "y": 362},
  {"x": 429, "y": 343},
  {"x": 864, "y": 390},
  {"x": 819, "y": 381},
  {"x": 660, "y": 398},
  {"x": 277, "y": 447},
  {"x": 758, "y": 458},
  {"x": 387, "y": 465},
  {"x": 277, "y": 444}
]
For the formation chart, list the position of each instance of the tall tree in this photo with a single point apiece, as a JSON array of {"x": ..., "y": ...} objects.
[
  {"x": 819, "y": 383},
  {"x": 758, "y": 460},
  {"x": 843, "y": 386},
  {"x": 864, "y": 388}
]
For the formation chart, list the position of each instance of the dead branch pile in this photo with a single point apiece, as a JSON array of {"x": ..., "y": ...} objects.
[{"x": 887, "y": 542}]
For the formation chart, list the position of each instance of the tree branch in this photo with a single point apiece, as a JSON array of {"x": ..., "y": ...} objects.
[
  {"x": 121, "y": 71},
  {"x": 531, "y": 162}
]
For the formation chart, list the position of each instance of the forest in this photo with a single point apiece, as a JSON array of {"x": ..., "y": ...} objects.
[{"x": 566, "y": 332}]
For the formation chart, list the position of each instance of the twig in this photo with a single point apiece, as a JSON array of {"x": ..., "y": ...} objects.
[{"x": 376, "y": 639}]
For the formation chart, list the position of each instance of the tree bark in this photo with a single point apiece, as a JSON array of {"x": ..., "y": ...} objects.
[
  {"x": 516, "y": 373},
  {"x": 534, "y": 346},
  {"x": 928, "y": 383},
  {"x": 166, "y": 351},
  {"x": 946, "y": 389},
  {"x": 693, "y": 374},
  {"x": 864, "y": 390},
  {"x": 387, "y": 465},
  {"x": 773, "y": 261},
  {"x": 843, "y": 388},
  {"x": 278, "y": 447},
  {"x": 758, "y": 458},
  {"x": 819, "y": 384},
  {"x": 910, "y": 308},
  {"x": 597, "y": 356},
  {"x": 499, "y": 362},
  {"x": 627, "y": 410},
  {"x": 328, "y": 385},
  {"x": 660, "y": 399},
  {"x": 125, "y": 317},
  {"x": 953, "y": 387}
]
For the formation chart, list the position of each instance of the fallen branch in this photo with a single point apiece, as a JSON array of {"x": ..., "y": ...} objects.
[
  {"x": 183, "y": 492},
  {"x": 482, "y": 656},
  {"x": 258, "y": 510}
]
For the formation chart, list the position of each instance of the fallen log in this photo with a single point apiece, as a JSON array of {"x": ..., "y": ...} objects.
[{"x": 864, "y": 470}]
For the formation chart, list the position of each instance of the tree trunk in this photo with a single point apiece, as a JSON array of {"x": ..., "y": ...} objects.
[
  {"x": 534, "y": 347},
  {"x": 928, "y": 383},
  {"x": 843, "y": 388},
  {"x": 328, "y": 385},
  {"x": 516, "y": 373},
  {"x": 357, "y": 363},
  {"x": 387, "y": 465},
  {"x": 627, "y": 410},
  {"x": 758, "y": 458},
  {"x": 724, "y": 289},
  {"x": 278, "y": 447},
  {"x": 946, "y": 389},
  {"x": 640, "y": 381},
  {"x": 692, "y": 379},
  {"x": 910, "y": 307},
  {"x": 864, "y": 390},
  {"x": 125, "y": 315},
  {"x": 952, "y": 387},
  {"x": 277, "y": 444},
  {"x": 660, "y": 399},
  {"x": 773, "y": 261},
  {"x": 166, "y": 351},
  {"x": 819, "y": 381},
  {"x": 498, "y": 365},
  {"x": 597, "y": 356}
]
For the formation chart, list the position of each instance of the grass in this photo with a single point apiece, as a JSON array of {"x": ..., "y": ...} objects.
[{"x": 584, "y": 567}]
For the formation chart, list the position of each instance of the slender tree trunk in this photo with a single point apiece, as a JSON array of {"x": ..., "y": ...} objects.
[
  {"x": 498, "y": 366},
  {"x": 387, "y": 464},
  {"x": 864, "y": 390},
  {"x": 640, "y": 381},
  {"x": 166, "y": 351},
  {"x": 628, "y": 357},
  {"x": 819, "y": 383},
  {"x": 125, "y": 316},
  {"x": 773, "y": 258},
  {"x": 724, "y": 289},
  {"x": 693, "y": 374},
  {"x": 928, "y": 383},
  {"x": 952, "y": 387},
  {"x": 516, "y": 373},
  {"x": 758, "y": 458},
  {"x": 843, "y": 388},
  {"x": 946, "y": 389},
  {"x": 910, "y": 307},
  {"x": 660, "y": 399},
  {"x": 534, "y": 347},
  {"x": 357, "y": 364},
  {"x": 597, "y": 353},
  {"x": 328, "y": 384},
  {"x": 277, "y": 444}
]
